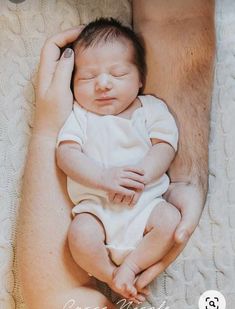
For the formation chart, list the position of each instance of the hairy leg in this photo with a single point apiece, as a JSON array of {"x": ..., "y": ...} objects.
[
  {"x": 180, "y": 43},
  {"x": 157, "y": 241}
]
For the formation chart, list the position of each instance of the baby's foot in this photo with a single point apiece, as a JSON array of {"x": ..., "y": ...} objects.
[
  {"x": 124, "y": 278},
  {"x": 138, "y": 299}
]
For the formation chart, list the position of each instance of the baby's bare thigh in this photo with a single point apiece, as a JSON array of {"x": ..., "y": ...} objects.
[
  {"x": 165, "y": 217},
  {"x": 86, "y": 226}
]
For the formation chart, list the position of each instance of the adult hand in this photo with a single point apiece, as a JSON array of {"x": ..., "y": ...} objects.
[
  {"x": 189, "y": 199},
  {"x": 54, "y": 98}
]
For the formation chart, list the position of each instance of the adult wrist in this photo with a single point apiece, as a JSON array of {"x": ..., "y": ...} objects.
[{"x": 45, "y": 133}]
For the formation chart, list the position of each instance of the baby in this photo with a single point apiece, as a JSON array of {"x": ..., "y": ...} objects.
[{"x": 115, "y": 148}]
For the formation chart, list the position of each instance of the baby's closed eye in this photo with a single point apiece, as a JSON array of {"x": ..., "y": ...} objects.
[
  {"x": 87, "y": 77},
  {"x": 119, "y": 74}
]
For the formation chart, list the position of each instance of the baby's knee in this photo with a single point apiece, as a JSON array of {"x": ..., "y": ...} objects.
[{"x": 81, "y": 229}]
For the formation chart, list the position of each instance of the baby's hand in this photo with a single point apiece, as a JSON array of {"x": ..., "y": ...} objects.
[
  {"x": 123, "y": 182},
  {"x": 124, "y": 199}
]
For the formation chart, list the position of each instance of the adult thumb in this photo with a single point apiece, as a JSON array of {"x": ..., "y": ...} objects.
[
  {"x": 64, "y": 69},
  {"x": 186, "y": 226}
]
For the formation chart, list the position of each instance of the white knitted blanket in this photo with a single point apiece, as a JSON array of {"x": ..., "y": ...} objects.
[{"x": 208, "y": 261}]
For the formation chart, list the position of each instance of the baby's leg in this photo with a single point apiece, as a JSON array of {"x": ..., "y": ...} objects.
[
  {"x": 86, "y": 241},
  {"x": 158, "y": 240}
]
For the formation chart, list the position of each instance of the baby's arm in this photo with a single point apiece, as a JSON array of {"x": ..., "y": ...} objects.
[
  {"x": 154, "y": 164},
  {"x": 75, "y": 164},
  {"x": 157, "y": 161}
]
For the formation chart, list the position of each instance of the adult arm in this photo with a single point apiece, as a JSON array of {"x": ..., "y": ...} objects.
[
  {"x": 49, "y": 276},
  {"x": 180, "y": 43}
]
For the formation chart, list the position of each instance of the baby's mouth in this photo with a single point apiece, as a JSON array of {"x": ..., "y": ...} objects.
[{"x": 105, "y": 99}]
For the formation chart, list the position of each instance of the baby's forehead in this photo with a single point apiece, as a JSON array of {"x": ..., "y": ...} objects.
[
  {"x": 103, "y": 44},
  {"x": 106, "y": 56}
]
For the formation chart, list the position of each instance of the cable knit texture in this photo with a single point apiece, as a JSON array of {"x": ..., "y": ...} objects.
[{"x": 208, "y": 261}]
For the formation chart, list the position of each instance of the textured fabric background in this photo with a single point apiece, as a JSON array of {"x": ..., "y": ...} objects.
[{"x": 208, "y": 262}]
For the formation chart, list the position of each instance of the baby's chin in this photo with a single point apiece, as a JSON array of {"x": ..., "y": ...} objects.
[{"x": 105, "y": 110}]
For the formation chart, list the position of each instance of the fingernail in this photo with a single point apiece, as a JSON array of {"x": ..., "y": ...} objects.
[{"x": 68, "y": 53}]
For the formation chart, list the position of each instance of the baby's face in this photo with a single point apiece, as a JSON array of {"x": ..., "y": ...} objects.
[{"x": 106, "y": 81}]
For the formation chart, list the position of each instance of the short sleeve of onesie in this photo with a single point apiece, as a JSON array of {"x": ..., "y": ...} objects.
[
  {"x": 75, "y": 127},
  {"x": 159, "y": 121}
]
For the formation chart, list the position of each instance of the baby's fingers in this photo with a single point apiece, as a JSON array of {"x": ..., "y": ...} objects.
[
  {"x": 135, "y": 169},
  {"x": 135, "y": 176},
  {"x": 127, "y": 200},
  {"x": 124, "y": 192},
  {"x": 118, "y": 198},
  {"x": 132, "y": 184},
  {"x": 136, "y": 197}
]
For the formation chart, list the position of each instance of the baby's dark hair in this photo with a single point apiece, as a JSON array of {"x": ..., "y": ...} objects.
[{"x": 104, "y": 30}]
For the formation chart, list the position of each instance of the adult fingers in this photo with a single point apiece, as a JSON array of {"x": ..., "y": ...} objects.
[
  {"x": 50, "y": 54},
  {"x": 189, "y": 199},
  {"x": 187, "y": 225},
  {"x": 155, "y": 270},
  {"x": 64, "y": 69}
]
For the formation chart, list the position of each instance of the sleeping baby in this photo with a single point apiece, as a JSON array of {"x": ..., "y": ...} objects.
[{"x": 115, "y": 149}]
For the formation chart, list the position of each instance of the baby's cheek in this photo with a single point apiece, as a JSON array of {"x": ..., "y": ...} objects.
[{"x": 81, "y": 92}]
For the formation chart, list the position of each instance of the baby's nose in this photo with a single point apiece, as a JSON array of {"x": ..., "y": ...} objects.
[{"x": 103, "y": 82}]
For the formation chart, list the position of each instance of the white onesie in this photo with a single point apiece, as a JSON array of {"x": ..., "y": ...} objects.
[{"x": 115, "y": 141}]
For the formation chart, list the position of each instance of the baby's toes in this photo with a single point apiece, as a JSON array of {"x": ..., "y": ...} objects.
[
  {"x": 131, "y": 290},
  {"x": 144, "y": 291},
  {"x": 120, "y": 288},
  {"x": 138, "y": 299}
]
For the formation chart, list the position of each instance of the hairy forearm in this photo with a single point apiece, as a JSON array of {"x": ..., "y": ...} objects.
[
  {"x": 157, "y": 161},
  {"x": 185, "y": 40},
  {"x": 76, "y": 165}
]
